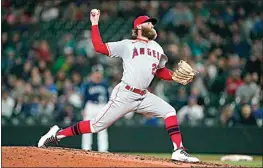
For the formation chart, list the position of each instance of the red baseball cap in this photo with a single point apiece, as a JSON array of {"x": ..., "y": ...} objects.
[{"x": 142, "y": 19}]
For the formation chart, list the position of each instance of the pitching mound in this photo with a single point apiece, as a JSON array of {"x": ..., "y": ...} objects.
[{"x": 64, "y": 157}]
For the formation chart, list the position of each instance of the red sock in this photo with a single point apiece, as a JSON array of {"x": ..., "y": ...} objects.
[
  {"x": 173, "y": 130},
  {"x": 81, "y": 127}
]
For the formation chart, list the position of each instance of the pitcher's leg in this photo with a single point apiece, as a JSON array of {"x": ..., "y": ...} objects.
[
  {"x": 86, "y": 141},
  {"x": 103, "y": 141},
  {"x": 85, "y": 127},
  {"x": 89, "y": 112},
  {"x": 121, "y": 102},
  {"x": 159, "y": 108},
  {"x": 109, "y": 114}
]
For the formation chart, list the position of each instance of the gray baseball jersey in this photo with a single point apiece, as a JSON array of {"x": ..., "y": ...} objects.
[{"x": 141, "y": 59}]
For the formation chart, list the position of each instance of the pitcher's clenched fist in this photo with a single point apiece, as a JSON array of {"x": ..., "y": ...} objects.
[{"x": 94, "y": 16}]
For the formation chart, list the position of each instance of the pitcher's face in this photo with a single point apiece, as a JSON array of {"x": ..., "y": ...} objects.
[{"x": 148, "y": 31}]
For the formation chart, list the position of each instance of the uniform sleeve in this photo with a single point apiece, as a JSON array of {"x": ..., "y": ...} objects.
[
  {"x": 97, "y": 42},
  {"x": 163, "y": 61},
  {"x": 116, "y": 49},
  {"x": 164, "y": 73}
]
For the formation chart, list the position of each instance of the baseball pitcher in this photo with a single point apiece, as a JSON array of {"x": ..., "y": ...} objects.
[
  {"x": 143, "y": 59},
  {"x": 95, "y": 97}
]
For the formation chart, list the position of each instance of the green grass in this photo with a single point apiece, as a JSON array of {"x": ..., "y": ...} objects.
[
  {"x": 215, "y": 158},
  {"x": 244, "y": 163}
]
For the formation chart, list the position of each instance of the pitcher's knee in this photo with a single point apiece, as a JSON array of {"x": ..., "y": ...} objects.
[
  {"x": 169, "y": 113},
  {"x": 97, "y": 126}
]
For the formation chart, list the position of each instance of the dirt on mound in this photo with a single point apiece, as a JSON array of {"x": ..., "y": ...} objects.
[{"x": 64, "y": 157}]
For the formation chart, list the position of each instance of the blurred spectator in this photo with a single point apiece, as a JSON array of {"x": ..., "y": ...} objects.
[
  {"x": 172, "y": 53},
  {"x": 247, "y": 117},
  {"x": 248, "y": 91},
  {"x": 192, "y": 113},
  {"x": 16, "y": 42},
  {"x": 211, "y": 67},
  {"x": 226, "y": 117},
  {"x": 44, "y": 52},
  {"x": 77, "y": 82},
  {"x": 233, "y": 82},
  {"x": 257, "y": 28},
  {"x": 234, "y": 62},
  {"x": 42, "y": 67},
  {"x": 143, "y": 7},
  {"x": 50, "y": 85},
  {"x": 8, "y": 60},
  {"x": 59, "y": 80},
  {"x": 47, "y": 74},
  {"x": 18, "y": 88},
  {"x": 4, "y": 41},
  {"x": 58, "y": 64},
  {"x": 256, "y": 50},
  {"x": 11, "y": 18},
  {"x": 151, "y": 121},
  {"x": 35, "y": 79},
  {"x": 73, "y": 12},
  {"x": 163, "y": 8},
  {"x": 68, "y": 44},
  {"x": 200, "y": 27},
  {"x": 81, "y": 65},
  {"x": 186, "y": 52},
  {"x": 257, "y": 112},
  {"x": 34, "y": 106},
  {"x": 228, "y": 15},
  {"x": 68, "y": 13},
  {"x": 179, "y": 18},
  {"x": 201, "y": 10},
  {"x": 199, "y": 46},
  {"x": 46, "y": 110},
  {"x": 73, "y": 98},
  {"x": 181, "y": 98},
  {"x": 221, "y": 29},
  {"x": 8, "y": 104},
  {"x": 254, "y": 65},
  {"x": 67, "y": 115},
  {"x": 67, "y": 65},
  {"x": 240, "y": 46},
  {"x": 26, "y": 73},
  {"x": 49, "y": 11},
  {"x": 30, "y": 101},
  {"x": 18, "y": 106},
  {"x": 84, "y": 46},
  {"x": 195, "y": 92},
  {"x": 255, "y": 78}
]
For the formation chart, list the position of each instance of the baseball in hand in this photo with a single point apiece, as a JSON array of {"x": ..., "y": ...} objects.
[
  {"x": 94, "y": 16},
  {"x": 94, "y": 12}
]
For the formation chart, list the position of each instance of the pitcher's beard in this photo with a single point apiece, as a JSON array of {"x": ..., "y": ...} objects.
[{"x": 149, "y": 33}]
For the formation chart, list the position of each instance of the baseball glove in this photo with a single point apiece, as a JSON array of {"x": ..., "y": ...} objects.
[{"x": 184, "y": 73}]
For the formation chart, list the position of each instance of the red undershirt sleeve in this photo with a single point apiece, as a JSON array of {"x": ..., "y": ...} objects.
[
  {"x": 164, "y": 74},
  {"x": 97, "y": 42}
]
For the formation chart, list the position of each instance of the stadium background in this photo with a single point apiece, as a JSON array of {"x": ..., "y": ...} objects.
[{"x": 47, "y": 55}]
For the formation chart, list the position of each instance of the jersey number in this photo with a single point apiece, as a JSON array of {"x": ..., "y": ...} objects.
[{"x": 154, "y": 68}]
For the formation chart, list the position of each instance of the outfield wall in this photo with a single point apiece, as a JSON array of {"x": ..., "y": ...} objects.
[{"x": 243, "y": 140}]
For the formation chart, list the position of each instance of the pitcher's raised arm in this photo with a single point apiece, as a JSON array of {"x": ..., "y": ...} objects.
[
  {"x": 97, "y": 42},
  {"x": 112, "y": 49}
]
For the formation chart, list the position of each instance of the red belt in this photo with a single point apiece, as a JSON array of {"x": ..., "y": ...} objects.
[{"x": 138, "y": 91}]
